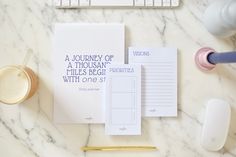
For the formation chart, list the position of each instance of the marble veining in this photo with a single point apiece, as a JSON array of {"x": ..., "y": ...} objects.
[{"x": 28, "y": 130}]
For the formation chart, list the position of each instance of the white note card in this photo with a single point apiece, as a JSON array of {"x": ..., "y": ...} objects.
[
  {"x": 159, "y": 80},
  {"x": 123, "y": 100}
]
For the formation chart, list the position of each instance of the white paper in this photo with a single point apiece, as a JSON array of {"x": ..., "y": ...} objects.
[
  {"x": 123, "y": 100},
  {"x": 81, "y": 53},
  {"x": 159, "y": 80}
]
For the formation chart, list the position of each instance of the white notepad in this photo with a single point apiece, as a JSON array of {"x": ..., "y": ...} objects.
[
  {"x": 159, "y": 80},
  {"x": 123, "y": 100},
  {"x": 81, "y": 53}
]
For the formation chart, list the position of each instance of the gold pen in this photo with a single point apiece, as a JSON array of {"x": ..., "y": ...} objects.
[{"x": 119, "y": 148}]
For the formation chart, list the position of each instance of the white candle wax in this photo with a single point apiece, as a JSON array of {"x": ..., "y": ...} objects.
[{"x": 14, "y": 85}]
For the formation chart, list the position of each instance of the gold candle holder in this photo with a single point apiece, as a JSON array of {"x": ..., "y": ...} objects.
[{"x": 17, "y": 84}]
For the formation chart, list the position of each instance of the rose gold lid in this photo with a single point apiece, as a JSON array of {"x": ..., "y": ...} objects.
[{"x": 201, "y": 59}]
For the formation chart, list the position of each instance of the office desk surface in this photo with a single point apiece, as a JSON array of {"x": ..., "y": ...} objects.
[{"x": 27, "y": 129}]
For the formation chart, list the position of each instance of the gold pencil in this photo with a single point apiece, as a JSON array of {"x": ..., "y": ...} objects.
[{"x": 119, "y": 148}]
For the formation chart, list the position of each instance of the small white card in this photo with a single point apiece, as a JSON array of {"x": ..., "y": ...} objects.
[
  {"x": 123, "y": 100},
  {"x": 159, "y": 80}
]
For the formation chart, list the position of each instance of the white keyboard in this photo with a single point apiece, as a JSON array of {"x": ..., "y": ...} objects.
[{"x": 116, "y": 3}]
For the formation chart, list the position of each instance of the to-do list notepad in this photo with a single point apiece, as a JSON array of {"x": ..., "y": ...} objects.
[
  {"x": 123, "y": 100},
  {"x": 159, "y": 80}
]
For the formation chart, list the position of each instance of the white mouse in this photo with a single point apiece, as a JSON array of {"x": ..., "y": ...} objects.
[{"x": 216, "y": 124}]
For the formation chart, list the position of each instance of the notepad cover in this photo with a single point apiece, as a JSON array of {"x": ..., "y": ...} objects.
[{"x": 81, "y": 54}]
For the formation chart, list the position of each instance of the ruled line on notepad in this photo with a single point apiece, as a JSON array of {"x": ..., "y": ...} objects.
[
  {"x": 158, "y": 102},
  {"x": 150, "y": 81},
  {"x": 161, "y": 86},
  {"x": 158, "y": 105},
  {"x": 157, "y": 79},
  {"x": 155, "y": 71},
  {"x": 152, "y": 85},
  {"x": 150, "y": 62},
  {"x": 165, "y": 86},
  {"x": 162, "y": 91},
  {"x": 159, "y": 93},
  {"x": 154, "y": 96},
  {"x": 157, "y": 82},
  {"x": 158, "y": 76},
  {"x": 151, "y": 67},
  {"x": 159, "y": 96},
  {"x": 156, "y": 90}
]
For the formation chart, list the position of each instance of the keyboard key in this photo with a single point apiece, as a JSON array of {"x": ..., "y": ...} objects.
[
  {"x": 174, "y": 3},
  {"x": 57, "y": 3},
  {"x": 84, "y": 2},
  {"x": 166, "y": 3},
  {"x": 139, "y": 2},
  {"x": 149, "y": 2},
  {"x": 74, "y": 3},
  {"x": 65, "y": 3},
  {"x": 157, "y": 3},
  {"x": 112, "y": 2}
]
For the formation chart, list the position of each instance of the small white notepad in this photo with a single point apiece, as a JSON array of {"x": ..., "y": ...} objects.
[
  {"x": 123, "y": 100},
  {"x": 159, "y": 80}
]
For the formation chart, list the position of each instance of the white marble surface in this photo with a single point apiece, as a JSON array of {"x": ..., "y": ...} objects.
[{"x": 27, "y": 129}]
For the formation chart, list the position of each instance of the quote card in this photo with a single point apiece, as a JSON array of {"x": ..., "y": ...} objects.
[
  {"x": 159, "y": 80},
  {"x": 123, "y": 100},
  {"x": 81, "y": 54}
]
